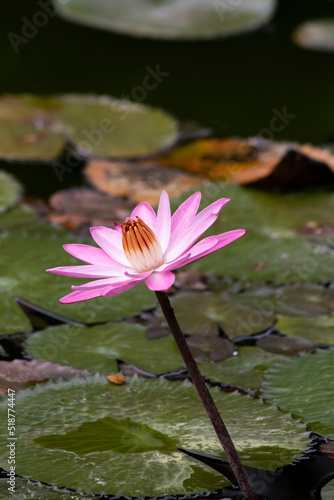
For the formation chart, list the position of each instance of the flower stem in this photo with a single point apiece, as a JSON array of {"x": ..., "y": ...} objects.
[{"x": 204, "y": 393}]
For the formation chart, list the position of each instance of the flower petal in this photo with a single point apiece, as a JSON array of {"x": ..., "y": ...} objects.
[
  {"x": 147, "y": 214},
  {"x": 205, "y": 247},
  {"x": 102, "y": 283},
  {"x": 81, "y": 295},
  {"x": 163, "y": 221},
  {"x": 199, "y": 225},
  {"x": 88, "y": 271},
  {"x": 89, "y": 254},
  {"x": 184, "y": 215},
  {"x": 160, "y": 280},
  {"x": 121, "y": 288},
  {"x": 111, "y": 242}
]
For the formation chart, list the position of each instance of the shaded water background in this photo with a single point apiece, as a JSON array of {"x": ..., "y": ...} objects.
[{"x": 231, "y": 85}]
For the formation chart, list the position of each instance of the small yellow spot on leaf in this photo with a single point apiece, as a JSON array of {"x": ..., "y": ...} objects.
[{"x": 116, "y": 378}]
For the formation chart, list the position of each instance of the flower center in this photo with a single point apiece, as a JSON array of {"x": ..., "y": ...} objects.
[{"x": 141, "y": 246}]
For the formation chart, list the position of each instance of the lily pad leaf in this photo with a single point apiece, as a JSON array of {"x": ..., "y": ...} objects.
[
  {"x": 304, "y": 386},
  {"x": 101, "y": 346},
  {"x": 27, "y": 490},
  {"x": 36, "y": 127},
  {"x": 140, "y": 181},
  {"x": 201, "y": 313},
  {"x": 23, "y": 275},
  {"x": 286, "y": 346},
  {"x": 120, "y": 436},
  {"x": 178, "y": 19},
  {"x": 319, "y": 329},
  {"x": 254, "y": 162},
  {"x": 316, "y": 35},
  {"x": 245, "y": 369},
  {"x": 21, "y": 374},
  {"x": 169, "y": 414},
  {"x": 10, "y": 191}
]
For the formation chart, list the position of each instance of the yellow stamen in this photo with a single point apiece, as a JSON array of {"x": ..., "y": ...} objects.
[{"x": 141, "y": 246}]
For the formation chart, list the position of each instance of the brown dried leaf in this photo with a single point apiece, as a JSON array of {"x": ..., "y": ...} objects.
[
  {"x": 140, "y": 181},
  {"x": 21, "y": 374},
  {"x": 117, "y": 378},
  {"x": 253, "y": 161},
  {"x": 79, "y": 207},
  {"x": 327, "y": 449}
]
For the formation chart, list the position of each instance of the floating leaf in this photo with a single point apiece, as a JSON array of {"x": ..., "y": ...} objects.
[
  {"x": 316, "y": 35},
  {"x": 25, "y": 490},
  {"x": 102, "y": 345},
  {"x": 319, "y": 329},
  {"x": 10, "y": 191},
  {"x": 259, "y": 163},
  {"x": 36, "y": 128},
  {"x": 178, "y": 19},
  {"x": 138, "y": 180},
  {"x": 304, "y": 386},
  {"x": 208, "y": 347},
  {"x": 25, "y": 255},
  {"x": 201, "y": 313},
  {"x": 20, "y": 374},
  {"x": 171, "y": 409},
  {"x": 79, "y": 208},
  {"x": 285, "y": 346},
  {"x": 275, "y": 247},
  {"x": 245, "y": 369}
]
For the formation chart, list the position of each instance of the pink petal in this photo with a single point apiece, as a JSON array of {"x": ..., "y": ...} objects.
[
  {"x": 163, "y": 221},
  {"x": 120, "y": 289},
  {"x": 89, "y": 254},
  {"x": 205, "y": 247},
  {"x": 81, "y": 295},
  {"x": 102, "y": 283},
  {"x": 160, "y": 280},
  {"x": 111, "y": 242},
  {"x": 88, "y": 271},
  {"x": 199, "y": 225},
  {"x": 147, "y": 214},
  {"x": 184, "y": 215},
  {"x": 117, "y": 227}
]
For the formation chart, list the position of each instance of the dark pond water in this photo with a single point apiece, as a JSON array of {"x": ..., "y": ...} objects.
[{"x": 232, "y": 85}]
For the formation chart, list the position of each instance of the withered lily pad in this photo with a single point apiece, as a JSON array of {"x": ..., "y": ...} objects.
[
  {"x": 178, "y": 19},
  {"x": 155, "y": 417},
  {"x": 286, "y": 346},
  {"x": 140, "y": 181},
  {"x": 304, "y": 386},
  {"x": 36, "y": 127},
  {"x": 20, "y": 374}
]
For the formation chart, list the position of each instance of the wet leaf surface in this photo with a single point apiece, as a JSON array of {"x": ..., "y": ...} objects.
[
  {"x": 304, "y": 386},
  {"x": 170, "y": 20},
  {"x": 21, "y": 374},
  {"x": 170, "y": 408},
  {"x": 10, "y": 191}
]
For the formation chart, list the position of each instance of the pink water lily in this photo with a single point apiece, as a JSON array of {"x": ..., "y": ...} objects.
[{"x": 146, "y": 247}]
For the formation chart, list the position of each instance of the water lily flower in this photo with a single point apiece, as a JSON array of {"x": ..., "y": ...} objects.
[{"x": 146, "y": 247}]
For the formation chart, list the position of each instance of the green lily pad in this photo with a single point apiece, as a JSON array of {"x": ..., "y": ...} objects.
[
  {"x": 315, "y": 35},
  {"x": 286, "y": 346},
  {"x": 201, "y": 313},
  {"x": 20, "y": 215},
  {"x": 25, "y": 255},
  {"x": 318, "y": 329},
  {"x": 10, "y": 191},
  {"x": 304, "y": 386},
  {"x": 76, "y": 408},
  {"x": 164, "y": 19},
  {"x": 246, "y": 368},
  {"x": 30, "y": 491},
  {"x": 97, "y": 348},
  {"x": 300, "y": 299},
  {"x": 36, "y": 128},
  {"x": 12, "y": 318},
  {"x": 327, "y": 492},
  {"x": 276, "y": 247}
]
